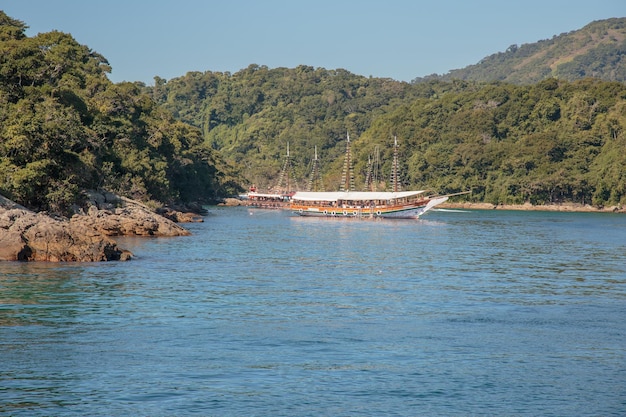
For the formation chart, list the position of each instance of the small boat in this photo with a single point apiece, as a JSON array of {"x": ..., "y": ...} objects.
[
  {"x": 348, "y": 203},
  {"x": 256, "y": 199},
  {"x": 365, "y": 204},
  {"x": 277, "y": 197}
]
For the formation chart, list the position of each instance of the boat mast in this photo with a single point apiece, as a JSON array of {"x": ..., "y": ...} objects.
[
  {"x": 371, "y": 180},
  {"x": 368, "y": 177},
  {"x": 395, "y": 180},
  {"x": 347, "y": 176},
  {"x": 285, "y": 175},
  {"x": 315, "y": 180},
  {"x": 376, "y": 166}
]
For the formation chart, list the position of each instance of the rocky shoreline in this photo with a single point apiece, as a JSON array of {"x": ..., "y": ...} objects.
[
  {"x": 87, "y": 235},
  {"x": 565, "y": 207}
]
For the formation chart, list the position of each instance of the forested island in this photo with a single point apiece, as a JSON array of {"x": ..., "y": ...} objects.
[
  {"x": 551, "y": 142},
  {"x": 65, "y": 128}
]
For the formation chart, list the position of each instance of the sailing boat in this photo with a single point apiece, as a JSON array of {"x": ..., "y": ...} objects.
[
  {"x": 347, "y": 203},
  {"x": 277, "y": 197}
]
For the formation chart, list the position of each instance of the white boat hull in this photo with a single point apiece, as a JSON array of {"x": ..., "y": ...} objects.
[{"x": 408, "y": 212}]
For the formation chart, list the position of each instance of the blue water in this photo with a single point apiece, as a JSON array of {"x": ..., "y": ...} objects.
[{"x": 263, "y": 314}]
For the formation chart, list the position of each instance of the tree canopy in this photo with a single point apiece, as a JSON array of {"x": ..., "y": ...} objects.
[
  {"x": 598, "y": 50},
  {"x": 550, "y": 142},
  {"x": 64, "y": 127}
]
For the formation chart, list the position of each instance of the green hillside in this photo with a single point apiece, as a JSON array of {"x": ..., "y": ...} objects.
[
  {"x": 251, "y": 116},
  {"x": 64, "y": 128},
  {"x": 551, "y": 142},
  {"x": 540, "y": 123},
  {"x": 598, "y": 50}
]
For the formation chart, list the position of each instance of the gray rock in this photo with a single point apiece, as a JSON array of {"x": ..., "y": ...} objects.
[{"x": 29, "y": 236}]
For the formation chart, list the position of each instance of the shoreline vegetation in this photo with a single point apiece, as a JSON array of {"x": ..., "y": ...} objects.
[{"x": 563, "y": 207}]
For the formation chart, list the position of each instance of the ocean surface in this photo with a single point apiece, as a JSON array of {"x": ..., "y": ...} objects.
[{"x": 460, "y": 313}]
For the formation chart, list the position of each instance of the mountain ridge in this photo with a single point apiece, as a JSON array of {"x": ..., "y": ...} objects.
[{"x": 597, "y": 50}]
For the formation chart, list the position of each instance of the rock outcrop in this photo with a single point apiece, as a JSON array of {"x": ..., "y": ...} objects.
[
  {"x": 180, "y": 216},
  {"x": 86, "y": 237},
  {"x": 113, "y": 215},
  {"x": 29, "y": 236},
  {"x": 232, "y": 202}
]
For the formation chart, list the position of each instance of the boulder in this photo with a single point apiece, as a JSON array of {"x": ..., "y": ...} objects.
[
  {"x": 114, "y": 215},
  {"x": 128, "y": 221},
  {"x": 232, "y": 202},
  {"x": 180, "y": 216},
  {"x": 184, "y": 212},
  {"x": 29, "y": 236}
]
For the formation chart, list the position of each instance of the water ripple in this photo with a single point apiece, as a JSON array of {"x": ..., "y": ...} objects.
[{"x": 461, "y": 313}]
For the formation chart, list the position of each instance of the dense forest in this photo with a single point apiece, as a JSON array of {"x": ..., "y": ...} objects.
[
  {"x": 252, "y": 116},
  {"x": 64, "y": 128},
  {"x": 598, "y": 50},
  {"x": 554, "y": 141}
]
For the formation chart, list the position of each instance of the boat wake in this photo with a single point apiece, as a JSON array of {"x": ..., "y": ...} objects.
[{"x": 451, "y": 210}]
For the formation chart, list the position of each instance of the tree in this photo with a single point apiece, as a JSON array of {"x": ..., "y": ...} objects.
[{"x": 64, "y": 128}]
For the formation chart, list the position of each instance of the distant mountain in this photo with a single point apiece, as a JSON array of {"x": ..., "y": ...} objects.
[{"x": 598, "y": 50}]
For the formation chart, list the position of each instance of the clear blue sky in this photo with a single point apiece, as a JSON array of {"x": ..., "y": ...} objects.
[{"x": 400, "y": 39}]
